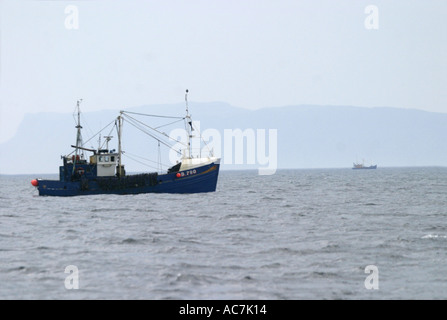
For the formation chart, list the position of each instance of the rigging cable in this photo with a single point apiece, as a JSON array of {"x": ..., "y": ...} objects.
[
  {"x": 169, "y": 123},
  {"x": 151, "y": 115},
  {"x": 84, "y": 143},
  {"x": 137, "y": 124}
]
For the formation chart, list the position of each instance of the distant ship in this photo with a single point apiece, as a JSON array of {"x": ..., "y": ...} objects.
[
  {"x": 362, "y": 166},
  {"x": 105, "y": 174}
]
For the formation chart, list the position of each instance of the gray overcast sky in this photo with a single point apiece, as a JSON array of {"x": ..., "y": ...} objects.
[{"x": 251, "y": 54}]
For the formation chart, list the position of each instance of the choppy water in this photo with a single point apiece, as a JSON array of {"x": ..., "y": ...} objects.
[{"x": 298, "y": 234}]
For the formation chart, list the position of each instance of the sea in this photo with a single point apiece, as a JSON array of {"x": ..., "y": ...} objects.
[{"x": 301, "y": 234}]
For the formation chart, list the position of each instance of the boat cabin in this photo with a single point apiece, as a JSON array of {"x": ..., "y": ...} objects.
[{"x": 105, "y": 162}]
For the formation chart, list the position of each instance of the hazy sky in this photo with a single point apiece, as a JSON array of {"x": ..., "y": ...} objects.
[{"x": 251, "y": 54}]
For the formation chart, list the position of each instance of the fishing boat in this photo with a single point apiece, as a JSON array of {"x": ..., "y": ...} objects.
[
  {"x": 362, "y": 166},
  {"x": 104, "y": 173}
]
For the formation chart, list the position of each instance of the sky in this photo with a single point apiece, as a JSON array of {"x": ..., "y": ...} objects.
[{"x": 249, "y": 53}]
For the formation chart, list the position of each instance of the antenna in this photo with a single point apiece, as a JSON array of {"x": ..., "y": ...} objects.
[
  {"x": 188, "y": 116},
  {"x": 186, "y": 102},
  {"x": 108, "y": 138}
]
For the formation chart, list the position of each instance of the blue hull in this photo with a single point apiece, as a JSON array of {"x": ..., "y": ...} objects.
[
  {"x": 200, "y": 179},
  {"x": 370, "y": 167}
]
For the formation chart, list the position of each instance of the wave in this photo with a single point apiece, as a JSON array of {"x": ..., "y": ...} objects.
[{"x": 433, "y": 236}]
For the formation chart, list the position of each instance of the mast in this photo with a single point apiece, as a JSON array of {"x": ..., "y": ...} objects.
[
  {"x": 120, "y": 126},
  {"x": 79, "y": 127},
  {"x": 189, "y": 128},
  {"x": 78, "y": 136}
]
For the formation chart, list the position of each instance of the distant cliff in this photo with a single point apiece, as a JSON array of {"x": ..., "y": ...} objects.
[{"x": 307, "y": 136}]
